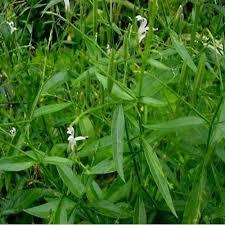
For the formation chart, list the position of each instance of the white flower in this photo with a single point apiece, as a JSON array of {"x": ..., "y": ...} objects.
[
  {"x": 13, "y": 131},
  {"x": 67, "y": 5},
  {"x": 143, "y": 29},
  {"x": 12, "y": 28},
  {"x": 73, "y": 140}
]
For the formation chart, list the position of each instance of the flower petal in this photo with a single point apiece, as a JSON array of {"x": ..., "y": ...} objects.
[
  {"x": 139, "y": 17},
  {"x": 81, "y": 138},
  {"x": 70, "y": 130}
]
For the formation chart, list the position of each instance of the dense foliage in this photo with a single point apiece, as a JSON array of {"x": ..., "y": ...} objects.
[{"x": 150, "y": 113}]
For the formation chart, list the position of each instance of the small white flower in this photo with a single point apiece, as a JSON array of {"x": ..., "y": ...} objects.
[
  {"x": 67, "y": 5},
  {"x": 13, "y": 131},
  {"x": 143, "y": 29},
  {"x": 12, "y": 28},
  {"x": 73, "y": 140}
]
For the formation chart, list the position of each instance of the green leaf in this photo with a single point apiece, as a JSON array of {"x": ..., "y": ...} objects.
[
  {"x": 158, "y": 64},
  {"x": 60, "y": 213},
  {"x": 178, "y": 123},
  {"x": 140, "y": 216},
  {"x": 118, "y": 190},
  {"x": 182, "y": 51},
  {"x": 86, "y": 127},
  {"x": 118, "y": 126},
  {"x": 46, "y": 210},
  {"x": 71, "y": 180},
  {"x": 199, "y": 76},
  {"x": 116, "y": 29},
  {"x": 121, "y": 91},
  {"x": 192, "y": 211},
  {"x": 219, "y": 132},
  {"x": 48, "y": 109},
  {"x": 55, "y": 160},
  {"x": 102, "y": 144},
  {"x": 107, "y": 208},
  {"x": 158, "y": 175},
  {"x": 94, "y": 192},
  {"x": 15, "y": 163},
  {"x": 104, "y": 167},
  {"x": 43, "y": 211},
  {"x": 54, "y": 81},
  {"x": 111, "y": 71},
  {"x": 152, "y": 102},
  {"x": 102, "y": 148},
  {"x": 220, "y": 152},
  {"x": 51, "y": 4},
  {"x": 58, "y": 149}
]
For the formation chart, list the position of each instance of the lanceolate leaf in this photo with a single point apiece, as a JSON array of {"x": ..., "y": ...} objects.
[
  {"x": 192, "y": 210},
  {"x": 104, "y": 167},
  {"x": 118, "y": 125},
  {"x": 182, "y": 51},
  {"x": 182, "y": 122},
  {"x": 46, "y": 210},
  {"x": 60, "y": 213},
  {"x": 48, "y": 109},
  {"x": 71, "y": 180},
  {"x": 51, "y": 4},
  {"x": 55, "y": 160},
  {"x": 120, "y": 91},
  {"x": 55, "y": 80},
  {"x": 152, "y": 102},
  {"x": 158, "y": 175},
  {"x": 219, "y": 132},
  {"x": 15, "y": 163},
  {"x": 140, "y": 216},
  {"x": 107, "y": 208}
]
